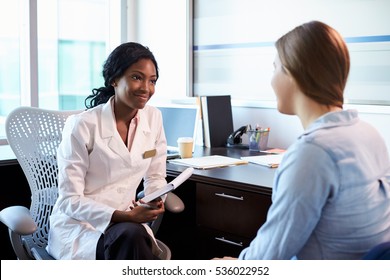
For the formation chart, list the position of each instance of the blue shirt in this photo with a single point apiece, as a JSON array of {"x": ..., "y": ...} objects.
[{"x": 331, "y": 194}]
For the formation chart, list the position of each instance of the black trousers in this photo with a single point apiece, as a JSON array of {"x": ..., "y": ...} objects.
[{"x": 125, "y": 241}]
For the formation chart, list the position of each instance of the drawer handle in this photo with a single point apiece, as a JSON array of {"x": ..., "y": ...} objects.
[
  {"x": 229, "y": 241},
  {"x": 229, "y": 196}
]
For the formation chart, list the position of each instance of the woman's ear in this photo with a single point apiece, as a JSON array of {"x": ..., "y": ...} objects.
[{"x": 293, "y": 82}]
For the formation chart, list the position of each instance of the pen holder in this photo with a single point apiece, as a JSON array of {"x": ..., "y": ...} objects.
[{"x": 258, "y": 139}]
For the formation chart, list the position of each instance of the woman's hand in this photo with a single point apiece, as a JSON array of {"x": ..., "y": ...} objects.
[
  {"x": 225, "y": 258},
  {"x": 140, "y": 212},
  {"x": 147, "y": 212},
  {"x": 154, "y": 204}
]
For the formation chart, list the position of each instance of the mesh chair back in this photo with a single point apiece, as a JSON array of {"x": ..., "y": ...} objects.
[{"x": 34, "y": 135}]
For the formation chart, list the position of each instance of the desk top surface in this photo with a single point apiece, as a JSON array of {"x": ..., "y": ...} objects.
[{"x": 251, "y": 175}]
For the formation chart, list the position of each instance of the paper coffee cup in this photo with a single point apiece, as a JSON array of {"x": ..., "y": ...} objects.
[{"x": 185, "y": 146}]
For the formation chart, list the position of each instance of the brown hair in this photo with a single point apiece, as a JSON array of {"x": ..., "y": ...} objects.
[{"x": 318, "y": 59}]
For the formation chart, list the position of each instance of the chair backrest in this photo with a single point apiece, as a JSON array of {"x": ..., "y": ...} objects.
[{"x": 34, "y": 135}]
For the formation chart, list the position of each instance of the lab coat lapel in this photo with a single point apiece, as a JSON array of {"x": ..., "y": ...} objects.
[
  {"x": 141, "y": 135},
  {"x": 111, "y": 135}
]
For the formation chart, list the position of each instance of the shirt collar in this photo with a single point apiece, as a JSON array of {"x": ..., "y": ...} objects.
[{"x": 333, "y": 119}]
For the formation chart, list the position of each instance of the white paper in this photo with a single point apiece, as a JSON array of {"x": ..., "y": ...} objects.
[
  {"x": 272, "y": 161},
  {"x": 182, "y": 177},
  {"x": 170, "y": 186},
  {"x": 207, "y": 162}
]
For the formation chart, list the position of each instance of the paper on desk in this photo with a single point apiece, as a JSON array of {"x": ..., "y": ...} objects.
[
  {"x": 208, "y": 162},
  {"x": 170, "y": 186},
  {"x": 271, "y": 160},
  {"x": 274, "y": 151}
]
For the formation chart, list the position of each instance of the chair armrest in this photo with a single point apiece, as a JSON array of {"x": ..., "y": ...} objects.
[
  {"x": 18, "y": 219},
  {"x": 173, "y": 203}
]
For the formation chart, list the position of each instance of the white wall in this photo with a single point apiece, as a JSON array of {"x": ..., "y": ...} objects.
[{"x": 285, "y": 129}]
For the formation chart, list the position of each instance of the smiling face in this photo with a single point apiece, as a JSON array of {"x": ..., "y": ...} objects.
[{"x": 137, "y": 85}]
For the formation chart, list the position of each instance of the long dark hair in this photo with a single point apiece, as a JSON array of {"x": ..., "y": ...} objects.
[{"x": 120, "y": 59}]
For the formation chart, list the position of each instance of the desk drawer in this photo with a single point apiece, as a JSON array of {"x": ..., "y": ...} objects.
[
  {"x": 230, "y": 210},
  {"x": 219, "y": 244}
]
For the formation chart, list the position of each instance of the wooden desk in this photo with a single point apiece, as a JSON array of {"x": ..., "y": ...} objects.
[{"x": 224, "y": 208}]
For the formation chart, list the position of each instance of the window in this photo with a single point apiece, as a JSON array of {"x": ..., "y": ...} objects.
[
  {"x": 234, "y": 44},
  {"x": 71, "y": 50},
  {"x": 165, "y": 27},
  {"x": 52, "y": 51},
  {"x": 73, "y": 38},
  {"x": 10, "y": 64}
]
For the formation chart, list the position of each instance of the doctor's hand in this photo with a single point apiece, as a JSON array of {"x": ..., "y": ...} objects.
[
  {"x": 225, "y": 258},
  {"x": 140, "y": 212},
  {"x": 148, "y": 212},
  {"x": 154, "y": 204}
]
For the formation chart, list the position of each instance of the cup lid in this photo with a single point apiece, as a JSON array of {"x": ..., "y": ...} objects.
[{"x": 184, "y": 139}]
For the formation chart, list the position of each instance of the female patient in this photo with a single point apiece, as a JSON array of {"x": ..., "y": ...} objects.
[
  {"x": 331, "y": 194},
  {"x": 104, "y": 154}
]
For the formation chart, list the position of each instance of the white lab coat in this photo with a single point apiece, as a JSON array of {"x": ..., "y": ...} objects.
[{"x": 98, "y": 174}]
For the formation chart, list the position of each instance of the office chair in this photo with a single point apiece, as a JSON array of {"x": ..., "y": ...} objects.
[{"x": 34, "y": 135}]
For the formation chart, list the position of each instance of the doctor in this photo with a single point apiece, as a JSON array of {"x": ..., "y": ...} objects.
[{"x": 105, "y": 153}]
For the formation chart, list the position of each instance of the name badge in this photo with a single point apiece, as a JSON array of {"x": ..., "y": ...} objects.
[{"x": 150, "y": 153}]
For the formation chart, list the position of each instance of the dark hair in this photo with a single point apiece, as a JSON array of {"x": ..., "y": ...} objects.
[
  {"x": 120, "y": 59},
  {"x": 318, "y": 59}
]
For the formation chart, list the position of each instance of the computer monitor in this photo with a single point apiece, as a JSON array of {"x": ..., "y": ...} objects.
[{"x": 179, "y": 121}]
